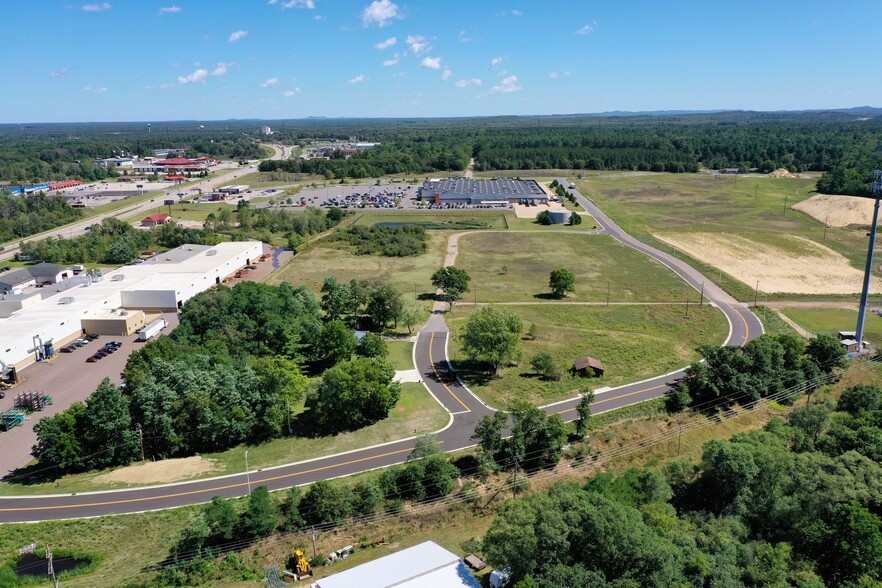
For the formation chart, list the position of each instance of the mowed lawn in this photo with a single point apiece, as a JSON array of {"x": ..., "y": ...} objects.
[
  {"x": 400, "y": 354},
  {"x": 511, "y": 267},
  {"x": 404, "y": 273},
  {"x": 434, "y": 219},
  {"x": 634, "y": 342},
  {"x": 829, "y": 321}
]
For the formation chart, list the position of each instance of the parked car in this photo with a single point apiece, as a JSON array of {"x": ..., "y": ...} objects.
[
  {"x": 92, "y": 359},
  {"x": 67, "y": 349}
]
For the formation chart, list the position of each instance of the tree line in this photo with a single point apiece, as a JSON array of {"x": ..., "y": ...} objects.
[
  {"x": 21, "y": 216},
  {"x": 233, "y": 371}
]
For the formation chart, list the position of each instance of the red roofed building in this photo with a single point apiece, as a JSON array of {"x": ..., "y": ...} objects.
[
  {"x": 154, "y": 220},
  {"x": 175, "y": 178},
  {"x": 184, "y": 164}
]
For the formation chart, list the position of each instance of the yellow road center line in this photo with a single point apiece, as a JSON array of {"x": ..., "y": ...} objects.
[{"x": 437, "y": 375}]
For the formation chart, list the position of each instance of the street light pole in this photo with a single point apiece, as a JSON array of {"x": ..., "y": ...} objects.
[{"x": 247, "y": 472}]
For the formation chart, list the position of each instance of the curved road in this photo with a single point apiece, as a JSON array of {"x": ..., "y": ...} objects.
[{"x": 430, "y": 357}]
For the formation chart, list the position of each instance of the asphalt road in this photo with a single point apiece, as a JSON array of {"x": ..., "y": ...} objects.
[{"x": 431, "y": 361}]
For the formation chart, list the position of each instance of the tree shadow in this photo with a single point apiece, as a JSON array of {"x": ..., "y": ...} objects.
[
  {"x": 428, "y": 296},
  {"x": 474, "y": 372},
  {"x": 546, "y": 296},
  {"x": 31, "y": 474}
]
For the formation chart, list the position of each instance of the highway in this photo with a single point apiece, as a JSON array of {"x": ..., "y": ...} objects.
[{"x": 430, "y": 357}]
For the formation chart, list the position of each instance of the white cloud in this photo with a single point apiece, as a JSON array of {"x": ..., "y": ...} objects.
[
  {"x": 393, "y": 61},
  {"x": 236, "y": 35},
  {"x": 309, "y": 4},
  {"x": 506, "y": 86},
  {"x": 502, "y": 73},
  {"x": 170, "y": 10},
  {"x": 379, "y": 13},
  {"x": 417, "y": 44},
  {"x": 387, "y": 43},
  {"x": 497, "y": 60},
  {"x": 465, "y": 83},
  {"x": 221, "y": 68},
  {"x": 588, "y": 28},
  {"x": 463, "y": 38},
  {"x": 97, "y": 7},
  {"x": 556, "y": 74},
  {"x": 197, "y": 76},
  {"x": 294, "y": 92},
  {"x": 60, "y": 73},
  {"x": 91, "y": 90},
  {"x": 431, "y": 63},
  {"x": 358, "y": 79},
  {"x": 446, "y": 75},
  {"x": 270, "y": 83}
]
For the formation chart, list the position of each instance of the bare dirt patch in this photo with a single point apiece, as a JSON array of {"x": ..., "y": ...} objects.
[
  {"x": 782, "y": 173},
  {"x": 838, "y": 211},
  {"x": 159, "y": 472},
  {"x": 522, "y": 211},
  {"x": 799, "y": 266}
]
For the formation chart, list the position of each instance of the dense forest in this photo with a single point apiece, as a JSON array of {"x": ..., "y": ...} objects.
[
  {"x": 847, "y": 144},
  {"x": 21, "y": 216},
  {"x": 795, "y": 504}
]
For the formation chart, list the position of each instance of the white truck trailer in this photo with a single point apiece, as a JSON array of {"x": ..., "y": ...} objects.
[{"x": 152, "y": 329}]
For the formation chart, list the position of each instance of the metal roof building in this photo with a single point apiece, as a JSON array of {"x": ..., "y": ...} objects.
[
  {"x": 427, "y": 565},
  {"x": 468, "y": 191},
  {"x": 161, "y": 284}
]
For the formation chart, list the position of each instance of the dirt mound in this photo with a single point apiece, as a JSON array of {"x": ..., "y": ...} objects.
[
  {"x": 838, "y": 211},
  {"x": 781, "y": 173},
  {"x": 159, "y": 472},
  {"x": 797, "y": 266}
]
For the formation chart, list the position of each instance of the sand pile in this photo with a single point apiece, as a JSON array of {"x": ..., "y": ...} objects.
[
  {"x": 781, "y": 173},
  {"x": 800, "y": 266},
  {"x": 838, "y": 211}
]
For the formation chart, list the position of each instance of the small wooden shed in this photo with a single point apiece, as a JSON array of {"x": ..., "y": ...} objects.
[{"x": 583, "y": 364}]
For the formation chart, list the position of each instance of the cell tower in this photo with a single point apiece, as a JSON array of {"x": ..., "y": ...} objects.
[{"x": 877, "y": 194}]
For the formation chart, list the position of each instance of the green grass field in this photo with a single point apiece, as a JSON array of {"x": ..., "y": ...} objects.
[
  {"x": 633, "y": 342},
  {"x": 416, "y": 413},
  {"x": 454, "y": 220},
  {"x": 751, "y": 207},
  {"x": 324, "y": 259},
  {"x": 828, "y": 321},
  {"x": 515, "y": 267},
  {"x": 400, "y": 354}
]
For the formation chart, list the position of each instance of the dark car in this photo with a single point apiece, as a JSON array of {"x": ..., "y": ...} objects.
[
  {"x": 90, "y": 337},
  {"x": 92, "y": 359},
  {"x": 67, "y": 349}
]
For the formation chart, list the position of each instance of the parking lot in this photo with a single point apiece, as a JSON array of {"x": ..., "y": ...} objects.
[{"x": 67, "y": 378}]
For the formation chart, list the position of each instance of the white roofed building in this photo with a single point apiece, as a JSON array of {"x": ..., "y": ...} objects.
[{"x": 427, "y": 565}]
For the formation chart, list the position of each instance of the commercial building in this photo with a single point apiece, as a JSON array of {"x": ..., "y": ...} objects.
[
  {"x": 183, "y": 164},
  {"x": 155, "y": 220},
  {"x": 427, "y": 565},
  {"x": 41, "y": 273},
  {"x": 116, "y": 162},
  {"x": 488, "y": 192},
  {"x": 95, "y": 303}
]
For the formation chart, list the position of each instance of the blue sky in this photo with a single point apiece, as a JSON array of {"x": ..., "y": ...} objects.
[{"x": 117, "y": 60}]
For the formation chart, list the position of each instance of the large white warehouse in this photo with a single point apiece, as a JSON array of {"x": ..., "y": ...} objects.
[{"x": 30, "y": 320}]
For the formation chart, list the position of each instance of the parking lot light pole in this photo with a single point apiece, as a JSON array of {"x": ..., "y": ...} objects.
[{"x": 247, "y": 472}]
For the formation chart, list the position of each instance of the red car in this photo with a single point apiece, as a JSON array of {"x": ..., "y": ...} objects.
[{"x": 92, "y": 359}]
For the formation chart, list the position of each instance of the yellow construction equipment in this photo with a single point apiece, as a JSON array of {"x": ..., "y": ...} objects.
[{"x": 300, "y": 565}]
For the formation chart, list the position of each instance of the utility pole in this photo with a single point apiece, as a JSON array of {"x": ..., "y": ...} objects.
[
  {"x": 607, "y": 292},
  {"x": 687, "y": 308},
  {"x": 785, "y": 204},
  {"x": 517, "y": 464},
  {"x": 51, "y": 570},
  {"x": 877, "y": 194},
  {"x": 701, "y": 296},
  {"x": 756, "y": 294},
  {"x": 827, "y": 218},
  {"x": 679, "y": 438},
  {"x": 313, "y": 543},
  {"x": 247, "y": 472},
  {"x": 141, "y": 440}
]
